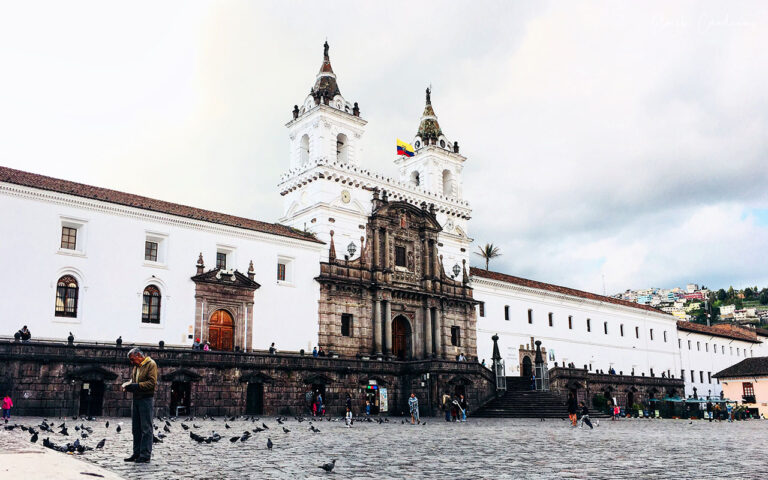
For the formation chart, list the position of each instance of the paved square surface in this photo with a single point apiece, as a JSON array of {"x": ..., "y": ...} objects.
[{"x": 478, "y": 449}]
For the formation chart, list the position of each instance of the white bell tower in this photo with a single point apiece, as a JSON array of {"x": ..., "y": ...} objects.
[
  {"x": 326, "y": 126},
  {"x": 436, "y": 165}
]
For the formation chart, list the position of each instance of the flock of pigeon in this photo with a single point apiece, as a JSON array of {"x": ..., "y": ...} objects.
[{"x": 83, "y": 431}]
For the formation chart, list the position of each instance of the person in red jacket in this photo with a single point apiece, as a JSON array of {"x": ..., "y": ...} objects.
[{"x": 6, "y": 406}]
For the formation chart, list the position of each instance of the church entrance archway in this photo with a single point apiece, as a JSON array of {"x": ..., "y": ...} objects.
[
  {"x": 221, "y": 331},
  {"x": 401, "y": 338},
  {"x": 527, "y": 370}
]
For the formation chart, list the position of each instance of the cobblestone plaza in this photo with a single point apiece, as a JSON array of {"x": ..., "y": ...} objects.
[{"x": 478, "y": 449}]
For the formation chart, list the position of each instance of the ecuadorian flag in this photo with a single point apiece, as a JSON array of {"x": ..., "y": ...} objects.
[{"x": 404, "y": 148}]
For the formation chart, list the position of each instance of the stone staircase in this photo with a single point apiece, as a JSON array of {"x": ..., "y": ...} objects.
[{"x": 519, "y": 401}]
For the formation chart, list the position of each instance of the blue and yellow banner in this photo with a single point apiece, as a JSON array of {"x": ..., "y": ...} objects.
[{"x": 404, "y": 148}]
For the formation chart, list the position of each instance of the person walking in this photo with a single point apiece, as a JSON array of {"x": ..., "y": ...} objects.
[
  {"x": 729, "y": 411},
  {"x": 348, "y": 417},
  {"x": 142, "y": 385},
  {"x": 572, "y": 408},
  {"x": 319, "y": 403},
  {"x": 272, "y": 349},
  {"x": 367, "y": 408},
  {"x": 413, "y": 406},
  {"x": 7, "y": 405},
  {"x": 584, "y": 416},
  {"x": 709, "y": 411},
  {"x": 349, "y": 402},
  {"x": 446, "y": 401}
]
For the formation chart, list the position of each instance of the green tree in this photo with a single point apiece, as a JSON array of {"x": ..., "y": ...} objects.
[
  {"x": 739, "y": 304},
  {"x": 731, "y": 293},
  {"x": 721, "y": 295},
  {"x": 488, "y": 252},
  {"x": 764, "y": 298},
  {"x": 748, "y": 293}
]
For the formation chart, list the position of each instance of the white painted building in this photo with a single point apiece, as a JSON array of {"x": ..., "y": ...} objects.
[{"x": 96, "y": 262}]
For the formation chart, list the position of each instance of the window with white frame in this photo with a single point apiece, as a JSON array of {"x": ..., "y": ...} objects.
[
  {"x": 284, "y": 270},
  {"x": 72, "y": 236},
  {"x": 225, "y": 257},
  {"x": 155, "y": 249}
]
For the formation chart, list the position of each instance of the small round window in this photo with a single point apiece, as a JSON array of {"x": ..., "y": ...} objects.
[
  {"x": 442, "y": 143},
  {"x": 418, "y": 144}
]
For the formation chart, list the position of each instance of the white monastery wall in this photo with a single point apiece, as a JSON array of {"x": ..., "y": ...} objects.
[{"x": 112, "y": 272}]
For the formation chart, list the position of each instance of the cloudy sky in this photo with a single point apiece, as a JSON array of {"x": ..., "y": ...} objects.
[{"x": 618, "y": 140}]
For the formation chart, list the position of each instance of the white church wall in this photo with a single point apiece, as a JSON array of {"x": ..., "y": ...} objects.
[
  {"x": 112, "y": 273},
  {"x": 577, "y": 345}
]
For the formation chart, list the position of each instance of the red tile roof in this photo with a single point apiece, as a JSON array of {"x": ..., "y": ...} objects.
[
  {"x": 761, "y": 331},
  {"x": 721, "y": 330},
  {"x": 502, "y": 277},
  {"x": 42, "y": 182},
  {"x": 749, "y": 367}
]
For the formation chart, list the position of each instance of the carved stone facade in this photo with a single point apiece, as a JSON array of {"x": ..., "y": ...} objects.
[
  {"x": 395, "y": 300},
  {"x": 224, "y": 307}
]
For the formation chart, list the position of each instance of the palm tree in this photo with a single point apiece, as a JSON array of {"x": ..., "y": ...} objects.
[{"x": 488, "y": 251}]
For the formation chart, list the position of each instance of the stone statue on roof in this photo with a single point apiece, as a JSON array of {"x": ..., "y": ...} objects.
[
  {"x": 429, "y": 100},
  {"x": 325, "y": 48}
]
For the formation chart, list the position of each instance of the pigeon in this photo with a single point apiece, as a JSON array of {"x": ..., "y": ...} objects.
[
  {"x": 245, "y": 437},
  {"x": 226, "y": 425},
  {"x": 156, "y": 440},
  {"x": 167, "y": 423},
  {"x": 64, "y": 431},
  {"x": 279, "y": 421},
  {"x": 235, "y": 438},
  {"x": 101, "y": 443},
  {"x": 328, "y": 466},
  {"x": 269, "y": 444},
  {"x": 166, "y": 429},
  {"x": 118, "y": 429},
  {"x": 77, "y": 429},
  {"x": 107, "y": 426},
  {"x": 196, "y": 426},
  {"x": 265, "y": 426},
  {"x": 84, "y": 435},
  {"x": 286, "y": 430},
  {"x": 185, "y": 426},
  {"x": 34, "y": 438}
]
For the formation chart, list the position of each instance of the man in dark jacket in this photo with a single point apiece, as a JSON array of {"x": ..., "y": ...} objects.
[
  {"x": 584, "y": 416},
  {"x": 142, "y": 386}
]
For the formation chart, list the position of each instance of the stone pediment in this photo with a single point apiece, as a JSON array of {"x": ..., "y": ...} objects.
[
  {"x": 318, "y": 379},
  {"x": 418, "y": 216},
  {"x": 181, "y": 375},
  {"x": 231, "y": 278},
  {"x": 91, "y": 373}
]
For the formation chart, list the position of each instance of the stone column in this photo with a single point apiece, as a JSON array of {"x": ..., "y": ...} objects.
[
  {"x": 427, "y": 316},
  {"x": 439, "y": 351},
  {"x": 386, "y": 249},
  {"x": 436, "y": 258},
  {"x": 424, "y": 258},
  {"x": 377, "y": 327},
  {"x": 376, "y": 247},
  {"x": 388, "y": 327}
]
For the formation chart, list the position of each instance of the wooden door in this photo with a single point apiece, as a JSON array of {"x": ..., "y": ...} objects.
[
  {"x": 221, "y": 331},
  {"x": 401, "y": 333}
]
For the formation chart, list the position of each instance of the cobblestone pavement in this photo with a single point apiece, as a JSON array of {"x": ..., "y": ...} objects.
[{"x": 478, "y": 449}]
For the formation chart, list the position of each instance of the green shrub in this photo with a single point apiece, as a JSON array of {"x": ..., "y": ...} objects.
[{"x": 599, "y": 402}]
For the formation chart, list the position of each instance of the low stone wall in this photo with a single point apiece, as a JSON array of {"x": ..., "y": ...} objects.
[
  {"x": 46, "y": 379},
  {"x": 627, "y": 389}
]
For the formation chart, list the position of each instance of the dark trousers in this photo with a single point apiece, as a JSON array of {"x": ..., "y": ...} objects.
[{"x": 141, "y": 420}]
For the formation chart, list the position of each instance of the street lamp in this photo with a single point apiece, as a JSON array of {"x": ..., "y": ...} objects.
[
  {"x": 351, "y": 248},
  {"x": 456, "y": 270}
]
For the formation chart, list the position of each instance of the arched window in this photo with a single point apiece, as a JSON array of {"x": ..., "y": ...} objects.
[
  {"x": 150, "y": 310},
  {"x": 66, "y": 297},
  {"x": 304, "y": 148},
  {"x": 415, "y": 179},
  {"x": 341, "y": 148},
  {"x": 448, "y": 183}
]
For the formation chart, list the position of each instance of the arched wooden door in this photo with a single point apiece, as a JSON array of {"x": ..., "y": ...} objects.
[
  {"x": 401, "y": 338},
  {"x": 221, "y": 331}
]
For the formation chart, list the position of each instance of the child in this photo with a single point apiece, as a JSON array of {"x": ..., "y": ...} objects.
[
  {"x": 348, "y": 418},
  {"x": 584, "y": 416},
  {"x": 6, "y": 406}
]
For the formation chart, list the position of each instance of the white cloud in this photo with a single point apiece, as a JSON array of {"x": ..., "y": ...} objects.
[{"x": 618, "y": 138}]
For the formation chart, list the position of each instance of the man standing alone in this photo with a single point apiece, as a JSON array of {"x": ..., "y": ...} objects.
[
  {"x": 413, "y": 406},
  {"x": 142, "y": 385}
]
